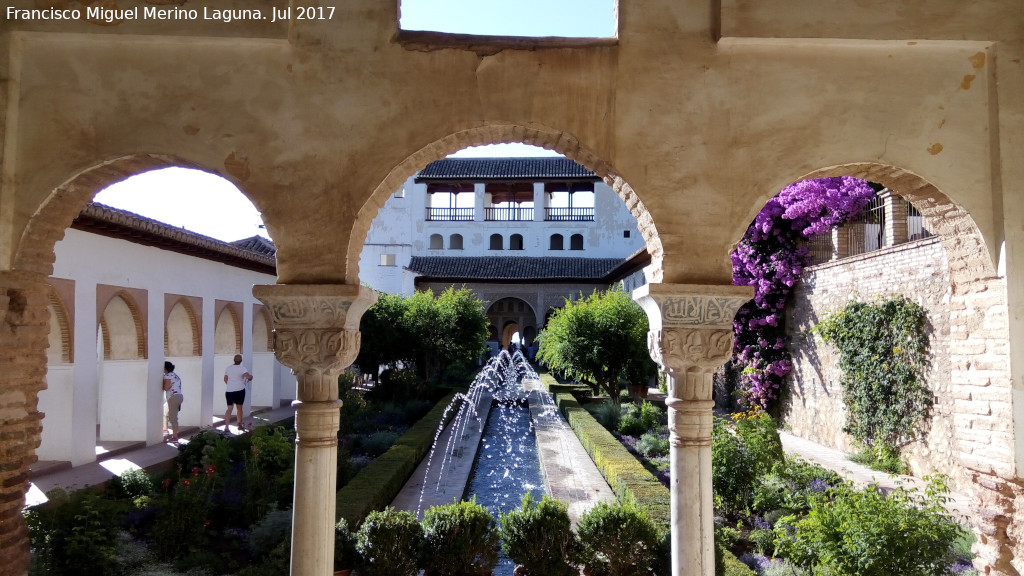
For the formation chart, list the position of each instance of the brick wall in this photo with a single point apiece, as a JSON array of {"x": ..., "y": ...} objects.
[
  {"x": 814, "y": 408},
  {"x": 971, "y": 433}
]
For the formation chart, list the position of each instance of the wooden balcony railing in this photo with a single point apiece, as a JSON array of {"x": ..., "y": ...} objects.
[
  {"x": 508, "y": 214},
  {"x": 450, "y": 214},
  {"x": 569, "y": 214}
]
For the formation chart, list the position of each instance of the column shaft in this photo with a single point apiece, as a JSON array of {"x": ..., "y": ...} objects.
[
  {"x": 316, "y": 334},
  {"x": 691, "y": 335}
]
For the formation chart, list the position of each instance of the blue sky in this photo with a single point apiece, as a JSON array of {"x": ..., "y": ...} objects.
[{"x": 209, "y": 205}]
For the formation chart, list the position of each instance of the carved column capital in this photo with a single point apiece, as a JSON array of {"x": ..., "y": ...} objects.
[
  {"x": 316, "y": 331},
  {"x": 690, "y": 332}
]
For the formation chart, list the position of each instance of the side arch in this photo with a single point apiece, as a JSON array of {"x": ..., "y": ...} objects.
[
  {"x": 503, "y": 133},
  {"x": 171, "y": 325},
  {"x": 115, "y": 326},
  {"x": 61, "y": 330}
]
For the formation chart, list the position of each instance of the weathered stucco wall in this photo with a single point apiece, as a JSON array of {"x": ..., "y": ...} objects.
[{"x": 696, "y": 114}]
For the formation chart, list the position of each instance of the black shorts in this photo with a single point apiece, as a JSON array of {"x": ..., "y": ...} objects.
[{"x": 236, "y": 397}]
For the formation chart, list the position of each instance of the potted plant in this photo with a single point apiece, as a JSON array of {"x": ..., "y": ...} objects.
[
  {"x": 345, "y": 554},
  {"x": 460, "y": 539},
  {"x": 539, "y": 538},
  {"x": 389, "y": 544},
  {"x": 618, "y": 540}
]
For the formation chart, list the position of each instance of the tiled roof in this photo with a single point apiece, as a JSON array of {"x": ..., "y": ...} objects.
[
  {"x": 124, "y": 225},
  {"x": 482, "y": 169},
  {"x": 512, "y": 268},
  {"x": 257, "y": 244}
]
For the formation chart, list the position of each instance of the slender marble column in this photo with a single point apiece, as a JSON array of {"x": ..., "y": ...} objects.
[
  {"x": 316, "y": 334},
  {"x": 690, "y": 336}
]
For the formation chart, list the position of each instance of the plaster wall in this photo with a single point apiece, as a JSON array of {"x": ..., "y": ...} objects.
[{"x": 129, "y": 398}]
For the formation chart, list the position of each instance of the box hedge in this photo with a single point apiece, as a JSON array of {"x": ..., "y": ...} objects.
[
  {"x": 627, "y": 477},
  {"x": 375, "y": 486}
]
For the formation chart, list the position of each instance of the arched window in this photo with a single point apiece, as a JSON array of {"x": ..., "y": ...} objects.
[
  {"x": 576, "y": 242},
  {"x": 497, "y": 242},
  {"x": 455, "y": 242},
  {"x": 556, "y": 242},
  {"x": 436, "y": 242},
  {"x": 515, "y": 242}
]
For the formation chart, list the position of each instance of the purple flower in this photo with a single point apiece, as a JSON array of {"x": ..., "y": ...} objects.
[{"x": 770, "y": 258}]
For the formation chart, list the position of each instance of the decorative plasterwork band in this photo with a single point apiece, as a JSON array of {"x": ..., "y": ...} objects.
[{"x": 316, "y": 332}]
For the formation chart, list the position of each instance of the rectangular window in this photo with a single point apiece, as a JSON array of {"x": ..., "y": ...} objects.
[
  {"x": 625, "y": 233},
  {"x": 387, "y": 259}
]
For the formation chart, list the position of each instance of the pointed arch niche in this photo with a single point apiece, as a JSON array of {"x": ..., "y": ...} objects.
[
  {"x": 122, "y": 367},
  {"x": 183, "y": 347},
  {"x": 227, "y": 341}
]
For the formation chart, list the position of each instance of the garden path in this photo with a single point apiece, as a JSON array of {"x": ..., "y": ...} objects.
[{"x": 958, "y": 504}]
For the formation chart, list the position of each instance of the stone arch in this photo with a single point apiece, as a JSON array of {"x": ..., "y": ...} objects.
[
  {"x": 978, "y": 324},
  {"x": 182, "y": 321},
  {"x": 61, "y": 336},
  {"x": 503, "y": 133},
  {"x": 959, "y": 234},
  {"x": 228, "y": 331},
  {"x": 507, "y": 332},
  {"x": 124, "y": 334},
  {"x": 56, "y": 213},
  {"x": 262, "y": 334}
]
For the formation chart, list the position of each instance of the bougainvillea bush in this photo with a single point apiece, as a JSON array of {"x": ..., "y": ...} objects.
[{"x": 770, "y": 258}]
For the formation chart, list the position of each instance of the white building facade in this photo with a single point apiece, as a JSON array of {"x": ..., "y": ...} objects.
[
  {"x": 495, "y": 207},
  {"x": 129, "y": 293}
]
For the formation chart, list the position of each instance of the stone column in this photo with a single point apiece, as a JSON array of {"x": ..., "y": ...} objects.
[
  {"x": 316, "y": 334},
  {"x": 690, "y": 336},
  {"x": 538, "y": 202}
]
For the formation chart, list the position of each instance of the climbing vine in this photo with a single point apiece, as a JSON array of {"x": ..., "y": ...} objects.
[
  {"x": 883, "y": 354},
  {"x": 770, "y": 258}
]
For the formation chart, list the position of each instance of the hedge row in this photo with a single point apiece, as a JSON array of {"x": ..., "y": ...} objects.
[
  {"x": 375, "y": 486},
  {"x": 624, "y": 473}
]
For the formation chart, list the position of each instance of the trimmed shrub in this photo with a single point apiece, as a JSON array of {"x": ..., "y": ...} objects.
[
  {"x": 539, "y": 537},
  {"x": 460, "y": 539},
  {"x": 379, "y": 442},
  {"x": 376, "y": 485},
  {"x": 345, "y": 553},
  {"x": 629, "y": 479},
  {"x": 273, "y": 530},
  {"x": 618, "y": 540},
  {"x": 389, "y": 543},
  {"x": 652, "y": 446}
]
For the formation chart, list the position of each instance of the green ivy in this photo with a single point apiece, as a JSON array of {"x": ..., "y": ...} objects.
[{"x": 883, "y": 354}]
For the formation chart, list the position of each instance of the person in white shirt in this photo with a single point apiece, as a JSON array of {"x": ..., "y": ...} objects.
[
  {"x": 236, "y": 377},
  {"x": 174, "y": 397}
]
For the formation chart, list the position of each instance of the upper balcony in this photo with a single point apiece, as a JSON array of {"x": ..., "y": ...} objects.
[
  {"x": 508, "y": 213},
  {"x": 566, "y": 214},
  {"x": 449, "y": 214}
]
